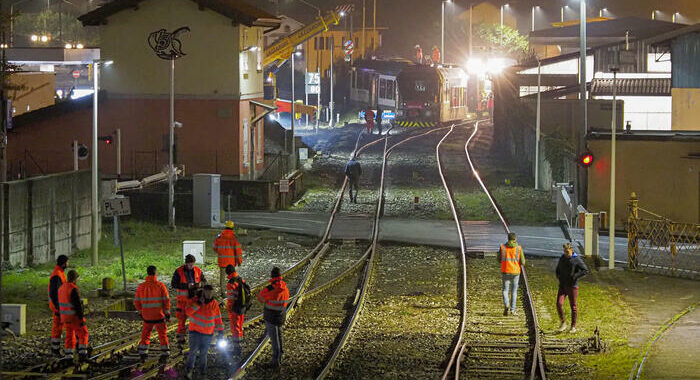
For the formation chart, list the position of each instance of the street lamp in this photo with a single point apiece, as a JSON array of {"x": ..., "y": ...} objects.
[
  {"x": 442, "y": 39},
  {"x": 653, "y": 14},
  {"x": 611, "y": 229},
  {"x": 562, "y": 12},
  {"x": 673, "y": 17},
  {"x": 94, "y": 217},
  {"x": 600, "y": 12},
  {"x": 533, "y": 17}
]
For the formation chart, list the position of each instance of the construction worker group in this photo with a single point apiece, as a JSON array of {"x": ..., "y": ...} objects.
[{"x": 197, "y": 311}]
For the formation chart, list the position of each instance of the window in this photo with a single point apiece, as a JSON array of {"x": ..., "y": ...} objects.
[
  {"x": 382, "y": 88},
  {"x": 457, "y": 97}
]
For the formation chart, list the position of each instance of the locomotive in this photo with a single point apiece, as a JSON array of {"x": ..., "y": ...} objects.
[{"x": 431, "y": 95}]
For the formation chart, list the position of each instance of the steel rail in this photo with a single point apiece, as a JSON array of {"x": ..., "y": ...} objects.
[
  {"x": 458, "y": 348},
  {"x": 537, "y": 365}
]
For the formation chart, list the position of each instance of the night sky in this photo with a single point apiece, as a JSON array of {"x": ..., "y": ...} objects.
[{"x": 418, "y": 21}]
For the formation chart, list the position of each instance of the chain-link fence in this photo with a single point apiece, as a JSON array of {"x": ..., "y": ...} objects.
[{"x": 659, "y": 245}]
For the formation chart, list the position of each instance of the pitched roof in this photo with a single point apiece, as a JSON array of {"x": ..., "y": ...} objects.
[
  {"x": 632, "y": 86},
  {"x": 237, "y": 10}
]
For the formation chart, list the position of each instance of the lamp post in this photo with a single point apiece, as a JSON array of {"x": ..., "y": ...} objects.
[
  {"x": 673, "y": 17},
  {"x": 94, "y": 213},
  {"x": 562, "y": 14},
  {"x": 653, "y": 14},
  {"x": 537, "y": 128},
  {"x": 294, "y": 156},
  {"x": 611, "y": 252},
  {"x": 442, "y": 39},
  {"x": 581, "y": 174}
]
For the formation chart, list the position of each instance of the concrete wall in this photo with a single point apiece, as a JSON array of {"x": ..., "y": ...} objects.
[
  {"x": 37, "y": 91},
  {"x": 213, "y": 51},
  {"x": 665, "y": 179},
  {"x": 47, "y": 216},
  {"x": 685, "y": 114}
]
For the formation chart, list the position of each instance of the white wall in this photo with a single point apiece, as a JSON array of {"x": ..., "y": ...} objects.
[{"x": 646, "y": 112}]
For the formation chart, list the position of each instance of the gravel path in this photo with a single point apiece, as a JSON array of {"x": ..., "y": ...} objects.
[{"x": 409, "y": 319}]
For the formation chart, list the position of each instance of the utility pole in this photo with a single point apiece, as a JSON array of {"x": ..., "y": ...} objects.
[
  {"x": 471, "y": 41},
  {"x": 442, "y": 34},
  {"x": 330, "y": 103},
  {"x": 364, "y": 41},
  {"x": 171, "y": 160},
  {"x": 294, "y": 155},
  {"x": 318, "y": 96},
  {"x": 119, "y": 153},
  {"x": 582, "y": 175},
  {"x": 537, "y": 128},
  {"x": 374, "y": 27},
  {"x": 611, "y": 229},
  {"x": 94, "y": 213}
]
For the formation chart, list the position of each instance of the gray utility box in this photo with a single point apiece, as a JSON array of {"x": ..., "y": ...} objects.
[
  {"x": 206, "y": 198},
  {"x": 15, "y": 316}
]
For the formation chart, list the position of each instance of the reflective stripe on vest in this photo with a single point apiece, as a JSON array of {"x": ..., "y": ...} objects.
[
  {"x": 510, "y": 259},
  {"x": 183, "y": 294}
]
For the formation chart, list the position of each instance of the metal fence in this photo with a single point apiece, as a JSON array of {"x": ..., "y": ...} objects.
[{"x": 659, "y": 245}]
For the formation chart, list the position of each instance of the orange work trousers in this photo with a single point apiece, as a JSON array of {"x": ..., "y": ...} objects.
[
  {"x": 146, "y": 337},
  {"x": 56, "y": 331},
  {"x": 181, "y": 325},
  {"x": 73, "y": 329},
  {"x": 236, "y": 326}
]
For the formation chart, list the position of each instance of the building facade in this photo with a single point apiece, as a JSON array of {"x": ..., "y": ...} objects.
[{"x": 218, "y": 86}]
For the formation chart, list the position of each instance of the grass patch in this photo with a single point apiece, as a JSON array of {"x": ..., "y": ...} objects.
[
  {"x": 144, "y": 244},
  {"x": 600, "y": 305}
]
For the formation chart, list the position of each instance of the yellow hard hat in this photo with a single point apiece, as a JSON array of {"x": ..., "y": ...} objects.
[{"x": 228, "y": 224}]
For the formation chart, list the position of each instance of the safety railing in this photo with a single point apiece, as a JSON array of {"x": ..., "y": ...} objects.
[{"x": 659, "y": 245}]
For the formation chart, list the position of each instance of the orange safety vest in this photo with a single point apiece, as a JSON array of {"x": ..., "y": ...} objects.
[
  {"x": 152, "y": 300},
  {"x": 276, "y": 295},
  {"x": 204, "y": 318},
  {"x": 65, "y": 307},
  {"x": 183, "y": 294},
  {"x": 57, "y": 271},
  {"x": 229, "y": 250},
  {"x": 510, "y": 259}
]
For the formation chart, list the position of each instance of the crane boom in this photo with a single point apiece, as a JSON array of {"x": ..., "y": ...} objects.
[{"x": 283, "y": 48}]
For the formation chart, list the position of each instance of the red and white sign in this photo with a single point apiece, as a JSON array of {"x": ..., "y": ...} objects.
[{"x": 76, "y": 74}]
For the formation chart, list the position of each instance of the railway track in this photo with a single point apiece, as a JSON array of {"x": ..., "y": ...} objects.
[{"x": 488, "y": 344}]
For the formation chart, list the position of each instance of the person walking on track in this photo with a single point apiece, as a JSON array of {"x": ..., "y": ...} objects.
[
  {"x": 569, "y": 270},
  {"x": 237, "y": 303},
  {"x": 353, "y": 171},
  {"x": 205, "y": 318},
  {"x": 369, "y": 119},
  {"x": 228, "y": 250},
  {"x": 153, "y": 305},
  {"x": 56, "y": 279},
  {"x": 378, "y": 120},
  {"x": 511, "y": 257},
  {"x": 275, "y": 298},
  {"x": 186, "y": 280},
  {"x": 73, "y": 317}
]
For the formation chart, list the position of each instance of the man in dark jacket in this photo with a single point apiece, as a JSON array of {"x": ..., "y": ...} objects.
[
  {"x": 275, "y": 298},
  {"x": 378, "y": 120},
  {"x": 569, "y": 270},
  {"x": 56, "y": 279},
  {"x": 187, "y": 281},
  {"x": 353, "y": 171}
]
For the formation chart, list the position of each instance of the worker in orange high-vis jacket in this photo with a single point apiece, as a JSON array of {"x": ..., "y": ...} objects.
[
  {"x": 153, "y": 304},
  {"x": 275, "y": 298},
  {"x": 56, "y": 279},
  {"x": 187, "y": 279},
  {"x": 73, "y": 317},
  {"x": 229, "y": 252},
  {"x": 511, "y": 257},
  {"x": 205, "y": 319},
  {"x": 237, "y": 305}
]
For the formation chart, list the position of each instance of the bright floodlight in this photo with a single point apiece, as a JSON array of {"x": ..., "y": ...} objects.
[
  {"x": 495, "y": 65},
  {"x": 108, "y": 63},
  {"x": 297, "y": 53},
  {"x": 79, "y": 46},
  {"x": 44, "y": 38},
  {"x": 35, "y": 38},
  {"x": 476, "y": 66},
  {"x": 342, "y": 13},
  {"x": 69, "y": 46}
]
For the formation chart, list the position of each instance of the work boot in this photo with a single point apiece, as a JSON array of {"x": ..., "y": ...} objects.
[
  {"x": 572, "y": 330},
  {"x": 562, "y": 327},
  {"x": 514, "y": 312},
  {"x": 505, "y": 311}
]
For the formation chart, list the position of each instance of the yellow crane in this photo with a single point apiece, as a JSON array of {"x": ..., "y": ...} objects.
[{"x": 281, "y": 50}]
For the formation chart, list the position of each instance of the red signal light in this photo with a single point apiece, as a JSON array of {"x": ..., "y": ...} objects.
[
  {"x": 586, "y": 159},
  {"x": 107, "y": 139}
]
